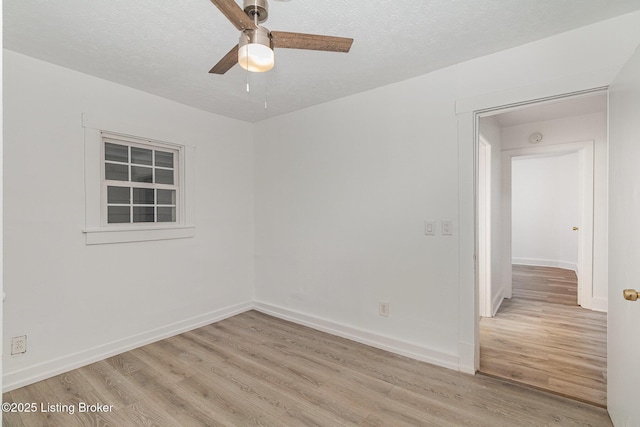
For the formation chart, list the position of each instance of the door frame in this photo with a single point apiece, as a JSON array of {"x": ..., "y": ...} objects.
[
  {"x": 469, "y": 111},
  {"x": 484, "y": 228},
  {"x": 585, "y": 150}
]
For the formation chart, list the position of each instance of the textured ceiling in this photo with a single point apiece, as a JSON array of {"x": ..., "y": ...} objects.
[{"x": 166, "y": 47}]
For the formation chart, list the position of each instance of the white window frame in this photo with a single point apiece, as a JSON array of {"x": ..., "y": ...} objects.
[
  {"x": 97, "y": 230},
  {"x": 176, "y": 150}
]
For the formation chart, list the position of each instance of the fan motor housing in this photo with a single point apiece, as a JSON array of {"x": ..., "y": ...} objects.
[
  {"x": 258, "y": 36},
  {"x": 257, "y": 8}
]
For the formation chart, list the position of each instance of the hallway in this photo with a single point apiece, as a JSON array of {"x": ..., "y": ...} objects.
[{"x": 542, "y": 338}]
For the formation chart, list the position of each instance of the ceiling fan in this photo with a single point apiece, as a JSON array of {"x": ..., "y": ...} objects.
[{"x": 254, "y": 52}]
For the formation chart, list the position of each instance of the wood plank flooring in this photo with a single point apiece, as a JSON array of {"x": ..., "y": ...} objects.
[
  {"x": 545, "y": 284},
  {"x": 253, "y": 369},
  {"x": 540, "y": 337}
]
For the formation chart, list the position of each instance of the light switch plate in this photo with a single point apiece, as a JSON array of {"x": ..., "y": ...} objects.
[{"x": 430, "y": 228}]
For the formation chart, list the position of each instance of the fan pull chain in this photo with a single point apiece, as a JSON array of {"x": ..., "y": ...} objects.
[
  {"x": 266, "y": 92},
  {"x": 247, "y": 73},
  {"x": 255, "y": 20}
]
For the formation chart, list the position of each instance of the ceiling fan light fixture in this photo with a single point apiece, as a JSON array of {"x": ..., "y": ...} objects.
[{"x": 254, "y": 50}]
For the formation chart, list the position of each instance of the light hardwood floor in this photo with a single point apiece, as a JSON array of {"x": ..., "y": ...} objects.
[
  {"x": 542, "y": 338},
  {"x": 253, "y": 369},
  {"x": 545, "y": 284}
]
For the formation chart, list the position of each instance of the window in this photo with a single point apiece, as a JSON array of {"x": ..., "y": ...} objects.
[
  {"x": 140, "y": 182},
  {"x": 136, "y": 189}
]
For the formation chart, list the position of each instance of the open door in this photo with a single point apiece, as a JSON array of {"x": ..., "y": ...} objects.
[{"x": 623, "y": 375}]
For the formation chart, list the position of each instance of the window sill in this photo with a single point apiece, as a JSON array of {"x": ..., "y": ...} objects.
[{"x": 126, "y": 235}]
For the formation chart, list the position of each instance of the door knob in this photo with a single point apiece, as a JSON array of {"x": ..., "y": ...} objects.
[
  {"x": 575, "y": 228},
  {"x": 631, "y": 294}
]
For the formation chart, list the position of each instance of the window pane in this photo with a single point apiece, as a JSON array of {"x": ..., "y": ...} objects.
[
  {"x": 141, "y": 174},
  {"x": 164, "y": 159},
  {"x": 118, "y": 214},
  {"x": 164, "y": 176},
  {"x": 140, "y": 156},
  {"x": 143, "y": 196},
  {"x": 118, "y": 195},
  {"x": 116, "y": 152},
  {"x": 116, "y": 172},
  {"x": 166, "y": 214},
  {"x": 142, "y": 214},
  {"x": 166, "y": 197}
]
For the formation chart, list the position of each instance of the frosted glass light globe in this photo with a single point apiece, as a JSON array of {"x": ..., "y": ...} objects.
[{"x": 256, "y": 57}]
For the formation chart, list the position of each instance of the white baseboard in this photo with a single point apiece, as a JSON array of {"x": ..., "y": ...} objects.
[
  {"x": 467, "y": 362},
  {"x": 34, "y": 373},
  {"x": 599, "y": 304},
  {"x": 546, "y": 263},
  {"x": 362, "y": 336}
]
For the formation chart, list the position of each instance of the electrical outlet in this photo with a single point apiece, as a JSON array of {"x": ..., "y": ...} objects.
[
  {"x": 19, "y": 344},
  {"x": 383, "y": 309}
]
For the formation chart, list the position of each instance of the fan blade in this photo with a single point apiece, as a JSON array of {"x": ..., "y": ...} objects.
[
  {"x": 288, "y": 40},
  {"x": 229, "y": 60},
  {"x": 234, "y": 14}
]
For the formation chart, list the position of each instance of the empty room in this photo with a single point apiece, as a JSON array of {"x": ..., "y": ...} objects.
[{"x": 266, "y": 213}]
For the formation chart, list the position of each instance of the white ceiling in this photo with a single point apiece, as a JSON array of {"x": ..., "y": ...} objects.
[{"x": 166, "y": 47}]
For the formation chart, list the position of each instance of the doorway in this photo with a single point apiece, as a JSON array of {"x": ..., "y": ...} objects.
[
  {"x": 551, "y": 236},
  {"x": 516, "y": 135}
]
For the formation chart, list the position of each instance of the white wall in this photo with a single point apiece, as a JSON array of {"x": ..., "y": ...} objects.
[
  {"x": 586, "y": 127},
  {"x": 75, "y": 302},
  {"x": 342, "y": 193},
  {"x": 492, "y": 133},
  {"x": 343, "y": 189},
  {"x": 545, "y": 207}
]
